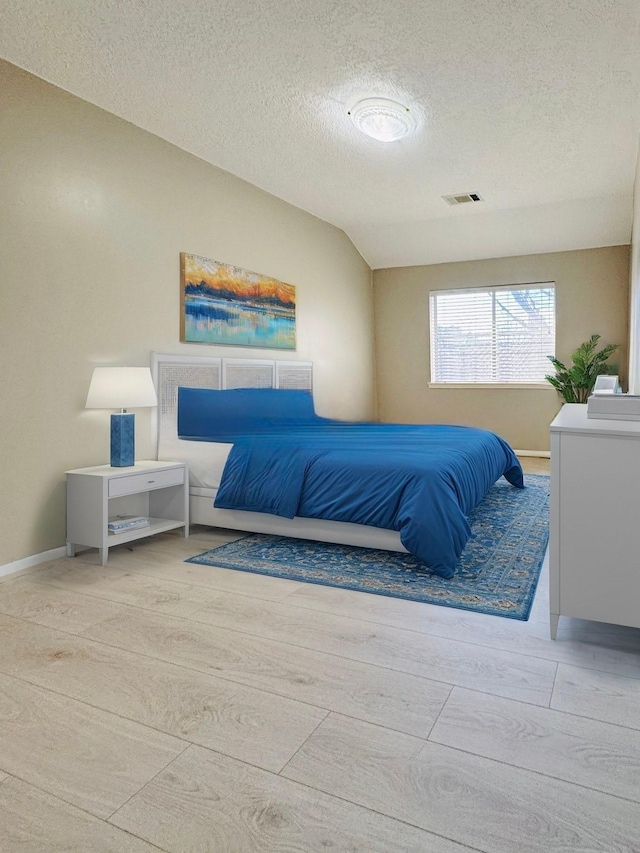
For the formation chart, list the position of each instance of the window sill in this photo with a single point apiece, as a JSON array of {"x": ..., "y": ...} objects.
[{"x": 509, "y": 386}]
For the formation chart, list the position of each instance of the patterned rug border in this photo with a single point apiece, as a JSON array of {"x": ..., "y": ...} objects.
[{"x": 480, "y": 605}]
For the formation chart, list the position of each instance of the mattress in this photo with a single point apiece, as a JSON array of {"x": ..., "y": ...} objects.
[
  {"x": 202, "y": 492},
  {"x": 206, "y": 459}
]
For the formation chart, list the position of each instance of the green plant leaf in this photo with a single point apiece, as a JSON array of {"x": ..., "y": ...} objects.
[{"x": 556, "y": 363}]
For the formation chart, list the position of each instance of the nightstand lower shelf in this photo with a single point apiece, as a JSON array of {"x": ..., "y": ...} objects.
[{"x": 157, "y": 525}]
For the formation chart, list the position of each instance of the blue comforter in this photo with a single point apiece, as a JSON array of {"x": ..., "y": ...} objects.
[{"x": 419, "y": 480}]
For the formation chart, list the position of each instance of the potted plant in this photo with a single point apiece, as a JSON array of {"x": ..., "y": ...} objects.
[{"x": 575, "y": 383}]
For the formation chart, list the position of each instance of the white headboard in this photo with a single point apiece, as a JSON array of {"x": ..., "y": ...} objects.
[{"x": 173, "y": 371}]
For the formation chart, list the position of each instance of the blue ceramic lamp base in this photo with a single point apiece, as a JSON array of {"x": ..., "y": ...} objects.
[{"x": 122, "y": 440}]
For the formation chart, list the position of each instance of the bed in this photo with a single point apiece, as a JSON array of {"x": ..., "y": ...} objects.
[{"x": 262, "y": 460}]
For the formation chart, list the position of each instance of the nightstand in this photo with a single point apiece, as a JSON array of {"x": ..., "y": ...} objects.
[{"x": 157, "y": 490}]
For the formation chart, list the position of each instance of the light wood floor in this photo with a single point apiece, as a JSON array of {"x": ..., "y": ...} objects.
[{"x": 158, "y": 705}]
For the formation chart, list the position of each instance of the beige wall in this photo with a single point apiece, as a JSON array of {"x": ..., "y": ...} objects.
[
  {"x": 93, "y": 215},
  {"x": 634, "y": 318},
  {"x": 592, "y": 288}
]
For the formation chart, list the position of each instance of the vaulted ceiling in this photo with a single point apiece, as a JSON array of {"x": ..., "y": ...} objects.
[{"x": 534, "y": 104}]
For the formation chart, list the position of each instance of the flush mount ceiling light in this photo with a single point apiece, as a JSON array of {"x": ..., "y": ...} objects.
[{"x": 382, "y": 119}]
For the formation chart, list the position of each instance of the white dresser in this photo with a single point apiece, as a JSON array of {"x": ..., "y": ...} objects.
[{"x": 594, "y": 541}]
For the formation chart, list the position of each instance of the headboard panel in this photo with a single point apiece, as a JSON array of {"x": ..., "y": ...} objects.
[
  {"x": 294, "y": 374},
  {"x": 248, "y": 373},
  {"x": 172, "y": 371}
]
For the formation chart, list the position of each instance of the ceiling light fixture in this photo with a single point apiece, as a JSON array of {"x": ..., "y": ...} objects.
[{"x": 382, "y": 119}]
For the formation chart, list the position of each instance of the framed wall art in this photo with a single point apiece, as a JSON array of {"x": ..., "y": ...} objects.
[{"x": 224, "y": 304}]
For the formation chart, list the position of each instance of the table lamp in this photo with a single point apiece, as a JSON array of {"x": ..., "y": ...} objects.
[{"x": 121, "y": 388}]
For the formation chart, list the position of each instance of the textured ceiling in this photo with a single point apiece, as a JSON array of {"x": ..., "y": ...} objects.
[{"x": 535, "y": 104}]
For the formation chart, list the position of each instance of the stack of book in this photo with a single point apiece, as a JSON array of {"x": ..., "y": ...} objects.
[{"x": 121, "y": 523}]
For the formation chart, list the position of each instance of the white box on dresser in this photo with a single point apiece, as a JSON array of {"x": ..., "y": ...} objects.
[
  {"x": 157, "y": 490},
  {"x": 594, "y": 535}
]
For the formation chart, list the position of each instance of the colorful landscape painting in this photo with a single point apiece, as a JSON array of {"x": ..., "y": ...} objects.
[{"x": 223, "y": 304}]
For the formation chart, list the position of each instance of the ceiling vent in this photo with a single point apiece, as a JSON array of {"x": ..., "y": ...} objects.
[{"x": 462, "y": 198}]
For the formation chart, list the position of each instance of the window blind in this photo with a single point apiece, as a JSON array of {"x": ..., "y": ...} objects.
[{"x": 490, "y": 335}]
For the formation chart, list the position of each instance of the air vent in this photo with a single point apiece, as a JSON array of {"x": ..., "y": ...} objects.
[{"x": 462, "y": 198}]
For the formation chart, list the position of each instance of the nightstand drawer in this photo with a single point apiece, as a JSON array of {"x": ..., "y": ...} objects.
[{"x": 145, "y": 482}]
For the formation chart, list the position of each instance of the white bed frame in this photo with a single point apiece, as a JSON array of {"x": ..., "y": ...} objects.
[{"x": 172, "y": 371}]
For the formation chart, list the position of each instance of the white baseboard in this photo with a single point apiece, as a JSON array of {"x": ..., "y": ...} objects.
[
  {"x": 541, "y": 454},
  {"x": 30, "y": 562}
]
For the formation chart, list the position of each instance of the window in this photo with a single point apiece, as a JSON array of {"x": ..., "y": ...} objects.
[{"x": 492, "y": 335}]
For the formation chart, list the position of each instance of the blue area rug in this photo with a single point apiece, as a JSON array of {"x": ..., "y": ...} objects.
[{"x": 497, "y": 572}]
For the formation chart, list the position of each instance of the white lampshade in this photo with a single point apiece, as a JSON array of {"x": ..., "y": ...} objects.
[{"x": 121, "y": 388}]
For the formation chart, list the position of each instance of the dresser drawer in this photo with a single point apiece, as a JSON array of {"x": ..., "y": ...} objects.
[{"x": 145, "y": 482}]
